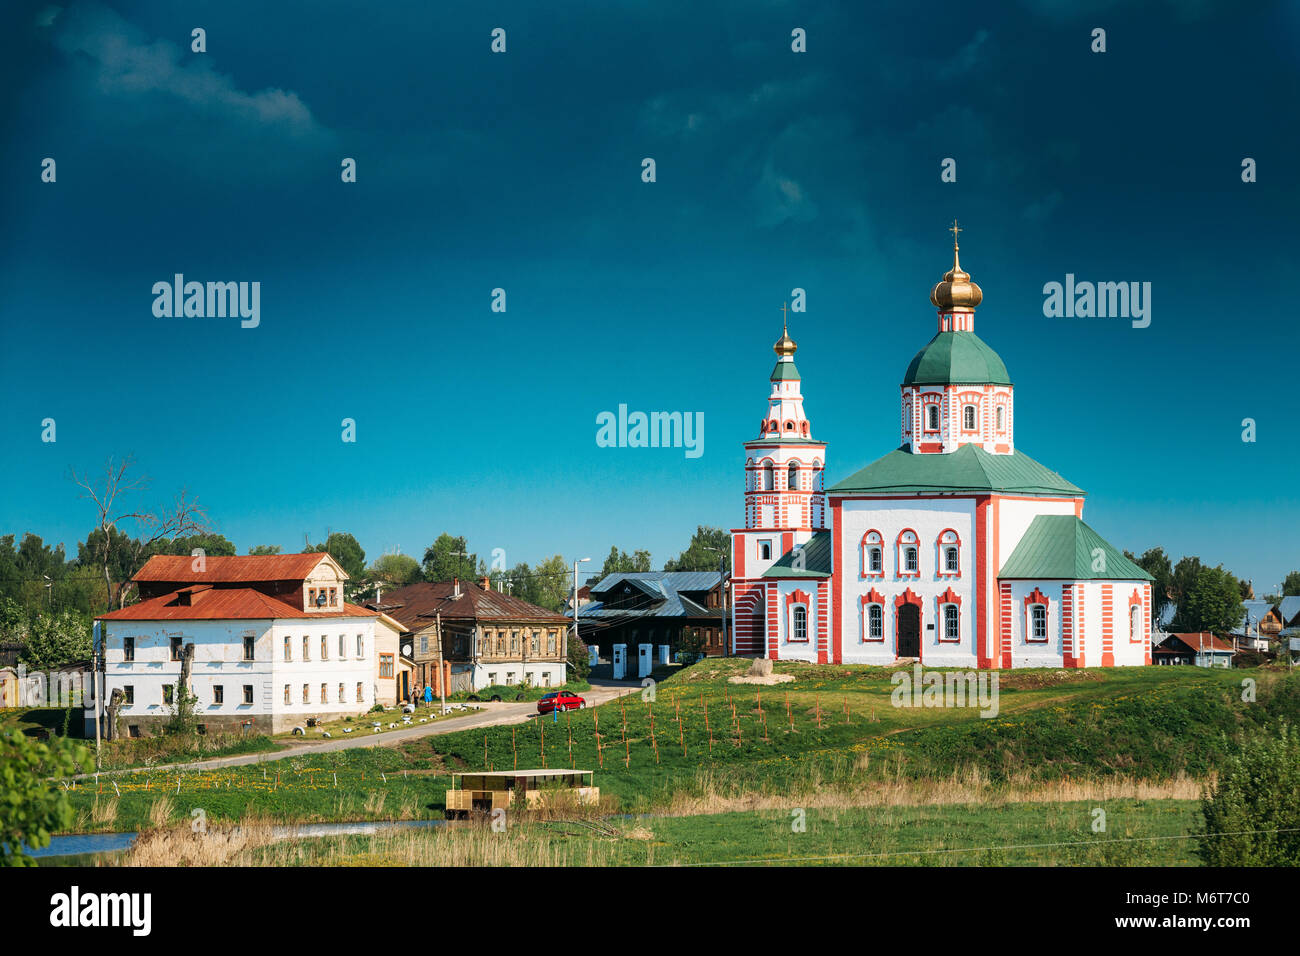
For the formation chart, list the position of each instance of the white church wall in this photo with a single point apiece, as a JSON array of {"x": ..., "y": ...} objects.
[
  {"x": 1015, "y": 516},
  {"x": 929, "y": 518},
  {"x": 789, "y": 649},
  {"x": 1025, "y": 652}
]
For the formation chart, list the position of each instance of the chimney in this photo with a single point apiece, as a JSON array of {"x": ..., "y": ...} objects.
[
  {"x": 485, "y": 583},
  {"x": 379, "y": 592},
  {"x": 455, "y": 588}
]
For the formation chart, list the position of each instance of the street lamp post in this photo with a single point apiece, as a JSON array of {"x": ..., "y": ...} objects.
[{"x": 575, "y": 605}]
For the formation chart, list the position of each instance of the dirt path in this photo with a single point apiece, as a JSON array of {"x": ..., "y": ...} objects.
[{"x": 491, "y": 715}]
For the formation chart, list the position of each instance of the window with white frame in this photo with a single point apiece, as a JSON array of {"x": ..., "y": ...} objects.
[
  {"x": 769, "y": 477},
  {"x": 949, "y": 553},
  {"x": 1038, "y": 623},
  {"x": 908, "y": 555},
  {"x": 875, "y": 623},
  {"x": 765, "y": 550},
  {"x": 968, "y": 418},
  {"x": 1002, "y": 418},
  {"x": 950, "y": 622},
  {"x": 799, "y": 624},
  {"x": 873, "y": 558},
  {"x": 792, "y": 476},
  {"x": 1135, "y": 622},
  {"x": 932, "y": 418}
]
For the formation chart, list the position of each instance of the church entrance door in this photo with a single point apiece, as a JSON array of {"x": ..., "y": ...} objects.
[{"x": 909, "y": 631}]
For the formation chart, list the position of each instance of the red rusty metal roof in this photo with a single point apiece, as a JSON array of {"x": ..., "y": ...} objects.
[
  {"x": 223, "y": 604},
  {"x": 416, "y": 605},
  {"x": 1200, "y": 641},
  {"x": 230, "y": 568}
]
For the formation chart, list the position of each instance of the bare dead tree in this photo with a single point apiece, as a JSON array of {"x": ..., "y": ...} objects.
[{"x": 183, "y": 517}]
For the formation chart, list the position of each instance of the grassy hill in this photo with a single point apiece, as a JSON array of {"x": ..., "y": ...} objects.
[{"x": 829, "y": 739}]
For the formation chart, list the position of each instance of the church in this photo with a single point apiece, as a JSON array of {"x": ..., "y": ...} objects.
[{"x": 956, "y": 549}]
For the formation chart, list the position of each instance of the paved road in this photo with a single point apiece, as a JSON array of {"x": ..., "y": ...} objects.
[{"x": 491, "y": 715}]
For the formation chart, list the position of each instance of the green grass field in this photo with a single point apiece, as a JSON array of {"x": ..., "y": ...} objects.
[{"x": 830, "y": 742}]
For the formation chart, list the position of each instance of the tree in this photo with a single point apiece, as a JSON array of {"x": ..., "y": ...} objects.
[
  {"x": 1252, "y": 817},
  {"x": 345, "y": 549},
  {"x": 262, "y": 549},
  {"x": 554, "y": 578},
  {"x": 708, "y": 546},
  {"x": 210, "y": 544},
  {"x": 1156, "y": 563},
  {"x": 579, "y": 659},
  {"x": 1292, "y": 584},
  {"x": 449, "y": 558},
  {"x": 1213, "y": 602},
  {"x": 394, "y": 570},
  {"x": 53, "y": 640},
  {"x": 37, "y": 560},
  {"x": 619, "y": 562},
  {"x": 34, "y": 805},
  {"x": 184, "y": 516}
]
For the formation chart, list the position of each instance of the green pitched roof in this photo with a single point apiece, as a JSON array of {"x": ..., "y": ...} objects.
[
  {"x": 816, "y": 560},
  {"x": 956, "y": 358},
  {"x": 969, "y": 468},
  {"x": 1063, "y": 547},
  {"x": 784, "y": 371}
]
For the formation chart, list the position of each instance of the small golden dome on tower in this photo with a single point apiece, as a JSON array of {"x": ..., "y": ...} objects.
[
  {"x": 956, "y": 293},
  {"x": 784, "y": 345}
]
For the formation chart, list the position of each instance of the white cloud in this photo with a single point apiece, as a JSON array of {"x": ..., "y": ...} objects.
[{"x": 125, "y": 62}]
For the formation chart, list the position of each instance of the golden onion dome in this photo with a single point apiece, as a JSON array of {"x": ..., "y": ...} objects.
[
  {"x": 784, "y": 345},
  {"x": 956, "y": 293}
]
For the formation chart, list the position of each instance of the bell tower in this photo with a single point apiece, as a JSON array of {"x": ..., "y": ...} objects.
[{"x": 784, "y": 464}]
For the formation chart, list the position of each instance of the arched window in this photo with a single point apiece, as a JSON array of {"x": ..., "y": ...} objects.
[
  {"x": 1001, "y": 418},
  {"x": 769, "y": 477},
  {"x": 932, "y": 418},
  {"x": 968, "y": 418},
  {"x": 873, "y": 558},
  {"x": 800, "y": 622},
  {"x": 948, "y": 553},
  {"x": 789, "y": 426},
  {"x": 875, "y": 622},
  {"x": 908, "y": 556},
  {"x": 950, "y": 632},
  {"x": 792, "y": 477},
  {"x": 1038, "y": 622},
  {"x": 1135, "y": 622}
]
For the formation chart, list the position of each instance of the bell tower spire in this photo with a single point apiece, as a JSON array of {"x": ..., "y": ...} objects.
[{"x": 783, "y": 486}]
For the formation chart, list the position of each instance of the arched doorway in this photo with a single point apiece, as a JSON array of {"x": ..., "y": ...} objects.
[{"x": 909, "y": 630}]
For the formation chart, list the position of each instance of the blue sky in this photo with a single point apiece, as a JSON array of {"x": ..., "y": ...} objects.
[{"x": 521, "y": 170}]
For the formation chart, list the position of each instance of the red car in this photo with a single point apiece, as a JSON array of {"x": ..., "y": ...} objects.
[{"x": 560, "y": 700}]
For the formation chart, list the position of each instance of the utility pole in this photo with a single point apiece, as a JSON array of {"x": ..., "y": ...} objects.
[
  {"x": 442, "y": 688},
  {"x": 96, "y": 685},
  {"x": 722, "y": 594},
  {"x": 576, "y": 562}
]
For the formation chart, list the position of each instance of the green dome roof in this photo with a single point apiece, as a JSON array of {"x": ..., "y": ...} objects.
[{"x": 956, "y": 358}]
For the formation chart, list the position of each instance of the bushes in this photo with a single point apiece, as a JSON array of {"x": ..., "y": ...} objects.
[
  {"x": 34, "y": 805},
  {"x": 1257, "y": 800}
]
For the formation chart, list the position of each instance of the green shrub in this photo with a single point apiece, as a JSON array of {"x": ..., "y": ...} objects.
[
  {"x": 34, "y": 804},
  {"x": 1252, "y": 816}
]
